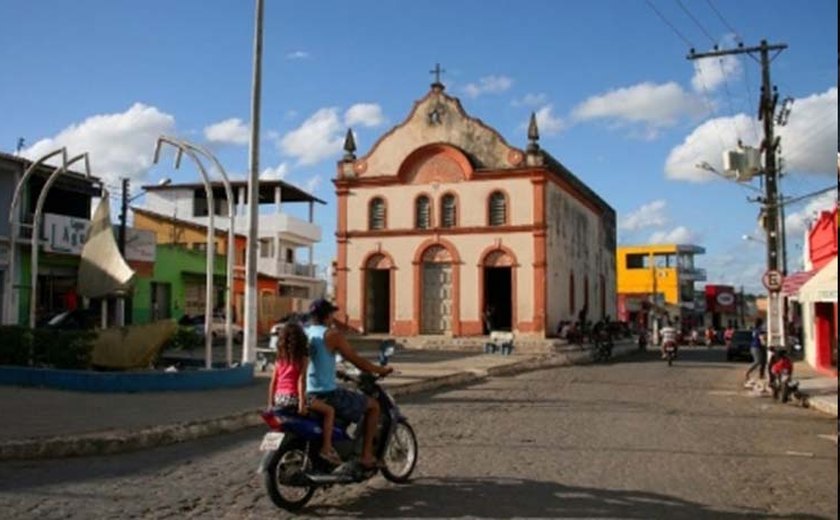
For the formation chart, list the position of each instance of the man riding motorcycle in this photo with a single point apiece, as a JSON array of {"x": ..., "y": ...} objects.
[
  {"x": 668, "y": 336},
  {"x": 324, "y": 343}
]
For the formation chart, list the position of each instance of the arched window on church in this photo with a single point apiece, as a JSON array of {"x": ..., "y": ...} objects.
[
  {"x": 376, "y": 213},
  {"x": 497, "y": 209},
  {"x": 423, "y": 212},
  {"x": 448, "y": 211}
]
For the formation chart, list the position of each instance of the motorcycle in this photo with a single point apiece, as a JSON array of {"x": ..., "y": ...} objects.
[
  {"x": 293, "y": 471},
  {"x": 603, "y": 348},
  {"x": 670, "y": 352}
]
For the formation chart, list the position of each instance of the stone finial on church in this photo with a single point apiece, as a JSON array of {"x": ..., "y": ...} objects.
[
  {"x": 349, "y": 146},
  {"x": 533, "y": 134}
]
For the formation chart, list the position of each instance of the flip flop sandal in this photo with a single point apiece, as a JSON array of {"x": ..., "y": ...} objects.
[{"x": 331, "y": 457}]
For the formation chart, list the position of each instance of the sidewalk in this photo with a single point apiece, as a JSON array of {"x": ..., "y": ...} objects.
[
  {"x": 51, "y": 423},
  {"x": 820, "y": 391}
]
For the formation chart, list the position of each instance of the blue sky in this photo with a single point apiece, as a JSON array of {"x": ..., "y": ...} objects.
[{"x": 617, "y": 101}]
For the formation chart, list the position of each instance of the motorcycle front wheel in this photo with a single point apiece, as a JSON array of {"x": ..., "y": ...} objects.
[
  {"x": 401, "y": 454},
  {"x": 283, "y": 475}
]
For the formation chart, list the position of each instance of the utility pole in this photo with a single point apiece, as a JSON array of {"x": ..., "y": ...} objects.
[
  {"x": 249, "y": 343},
  {"x": 126, "y": 185},
  {"x": 769, "y": 145}
]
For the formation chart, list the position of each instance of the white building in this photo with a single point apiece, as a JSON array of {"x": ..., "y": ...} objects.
[{"x": 286, "y": 242}]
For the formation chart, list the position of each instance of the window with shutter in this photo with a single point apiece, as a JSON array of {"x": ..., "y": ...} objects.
[
  {"x": 448, "y": 211},
  {"x": 376, "y": 214},
  {"x": 497, "y": 209},
  {"x": 423, "y": 212}
]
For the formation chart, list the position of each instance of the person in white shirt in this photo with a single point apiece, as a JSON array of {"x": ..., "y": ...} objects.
[{"x": 668, "y": 334}]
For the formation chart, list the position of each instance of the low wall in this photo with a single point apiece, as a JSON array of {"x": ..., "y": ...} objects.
[{"x": 126, "y": 382}]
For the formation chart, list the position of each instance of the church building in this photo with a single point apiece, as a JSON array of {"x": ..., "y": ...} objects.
[{"x": 443, "y": 227}]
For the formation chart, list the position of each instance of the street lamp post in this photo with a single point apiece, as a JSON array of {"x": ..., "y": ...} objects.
[
  {"x": 36, "y": 231},
  {"x": 230, "y": 249},
  {"x": 8, "y": 305},
  {"x": 211, "y": 238}
]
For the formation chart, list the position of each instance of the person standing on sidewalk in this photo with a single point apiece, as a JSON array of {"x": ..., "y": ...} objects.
[{"x": 758, "y": 350}]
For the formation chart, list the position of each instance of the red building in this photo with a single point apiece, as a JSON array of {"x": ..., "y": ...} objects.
[{"x": 816, "y": 291}]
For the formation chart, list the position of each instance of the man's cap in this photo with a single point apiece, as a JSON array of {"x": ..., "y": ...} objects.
[{"x": 322, "y": 307}]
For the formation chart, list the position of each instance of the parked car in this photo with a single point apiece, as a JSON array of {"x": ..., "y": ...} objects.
[
  {"x": 217, "y": 327},
  {"x": 739, "y": 347}
]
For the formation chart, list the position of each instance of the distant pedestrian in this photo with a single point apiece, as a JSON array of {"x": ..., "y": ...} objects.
[{"x": 758, "y": 350}]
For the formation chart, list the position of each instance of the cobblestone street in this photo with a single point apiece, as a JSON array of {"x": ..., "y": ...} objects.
[{"x": 631, "y": 439}]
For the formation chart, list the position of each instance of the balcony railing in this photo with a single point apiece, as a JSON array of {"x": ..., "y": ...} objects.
[
  {"x": 696, "y": 274},
  {"x": 296, "y": 269}
]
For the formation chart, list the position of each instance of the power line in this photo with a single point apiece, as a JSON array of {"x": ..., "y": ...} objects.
[
  {"x": 669, "y": 24},
  {"x": 699, "y": 69},
  {"x": 725, "y": 23},
  {"x": 697, "y": 22}
]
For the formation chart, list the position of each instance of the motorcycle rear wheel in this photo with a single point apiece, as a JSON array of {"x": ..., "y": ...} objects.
[
  {"x": 285, "y": 464},
  {"x": 401, "y": 454}
]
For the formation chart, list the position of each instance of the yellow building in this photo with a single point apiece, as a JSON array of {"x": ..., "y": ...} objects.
[{"x": 664, "y": 270}]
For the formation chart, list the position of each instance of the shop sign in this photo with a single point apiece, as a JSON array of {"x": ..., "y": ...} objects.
[
  {"x": 725, "y": 299},
  {"x": 65, "y": 234}
]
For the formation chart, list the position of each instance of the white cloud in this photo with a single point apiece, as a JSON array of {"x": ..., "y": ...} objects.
[
  {"x": 710, "y": 73},
  {"x": 229, "y": 131},
  {"x": 278, "y": 172},
  {"x": 656, "y": 106},
  {"x": 648, "y": 215},
  {"x": 120, "y": 144},
  {"x": 316, "y": 139},
  {"x": 678, "y": 235},
  {"x": 808, "y": 140},
  {"x": 548, "y": 123},
  {"x": 797, "y": 222},
  {"x": 488, "y": 85},
  {"x": 365, "y": 114},
  {"x": 530, "y": 100},
  {"x": 312, "y": 184},
  {"x": 706, "y": 144},
  {"x": 297, "y": 55}
]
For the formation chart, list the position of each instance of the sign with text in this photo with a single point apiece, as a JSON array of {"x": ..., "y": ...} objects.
[{"x": 67, "y": 235}]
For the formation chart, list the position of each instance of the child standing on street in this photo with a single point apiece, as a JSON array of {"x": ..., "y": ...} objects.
[{"x": 288, "y": 384}]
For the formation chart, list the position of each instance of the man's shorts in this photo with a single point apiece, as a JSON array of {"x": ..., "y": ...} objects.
[{"x": 348, "y": 405}]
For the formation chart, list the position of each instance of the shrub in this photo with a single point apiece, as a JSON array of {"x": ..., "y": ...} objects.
[
  {"x": 15, "y": 345},
  {"x": 185, "y": 338},
  {"x": 67, "y": 349}
]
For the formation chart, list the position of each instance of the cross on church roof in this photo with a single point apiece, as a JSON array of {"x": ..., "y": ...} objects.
[{"x": 437, "y": 71}]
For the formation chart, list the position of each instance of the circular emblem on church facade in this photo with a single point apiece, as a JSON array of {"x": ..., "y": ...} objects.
[
  {"x": 515, "y": 157},
  {"x": 360, "y": 167}
]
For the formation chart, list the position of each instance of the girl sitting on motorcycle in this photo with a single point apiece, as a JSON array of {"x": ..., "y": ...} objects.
[{"x": 288, "y": 384}]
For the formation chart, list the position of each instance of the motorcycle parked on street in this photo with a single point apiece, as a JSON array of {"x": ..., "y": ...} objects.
[{"x": 293, "y": 471}]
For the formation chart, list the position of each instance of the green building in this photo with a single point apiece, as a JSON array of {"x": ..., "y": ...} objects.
[{"x": 177, "y": 285}]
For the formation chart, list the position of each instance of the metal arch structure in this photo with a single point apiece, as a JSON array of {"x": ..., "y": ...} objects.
[
  {"x": 36, "y": 230},
  {"x": 9, "y": 308},
  {"x": 230, "y": 248},
  {"x": 211, "y": 237}
]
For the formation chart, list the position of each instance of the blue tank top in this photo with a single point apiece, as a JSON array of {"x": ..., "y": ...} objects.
[{"x": 320, "y": 377}]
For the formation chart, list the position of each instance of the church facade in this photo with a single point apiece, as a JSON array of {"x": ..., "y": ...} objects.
[{"x": 446, "y": 229}]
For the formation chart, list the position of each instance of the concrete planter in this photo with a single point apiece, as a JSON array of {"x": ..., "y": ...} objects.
[{"x": 126, "y": 382}]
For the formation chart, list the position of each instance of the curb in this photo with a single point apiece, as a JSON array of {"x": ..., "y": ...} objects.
[
  {"x": 822, "y": 403},
  {"x": 109, "y": 443}
]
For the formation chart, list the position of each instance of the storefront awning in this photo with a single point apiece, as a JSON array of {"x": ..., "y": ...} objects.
[
  {"x": 822, "y": 287},
  {"x": 793, "y": 282}
]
